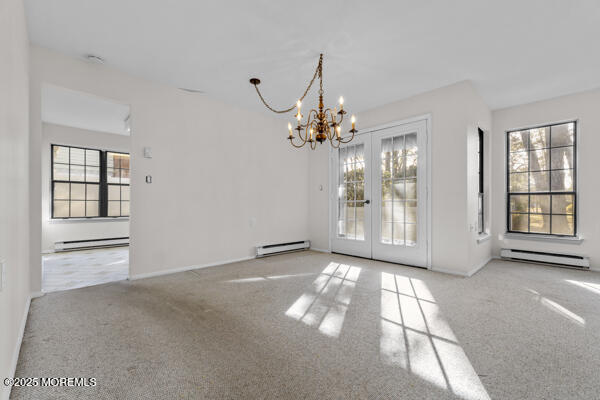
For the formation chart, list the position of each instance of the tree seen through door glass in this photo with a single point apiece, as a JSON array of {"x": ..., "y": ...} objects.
[{"x": 399, "y": 165}]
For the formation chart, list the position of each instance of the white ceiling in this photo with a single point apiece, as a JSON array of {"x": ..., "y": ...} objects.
[
  {"x": 80, "y": 110},
  {"x": 514, "y": 51}
]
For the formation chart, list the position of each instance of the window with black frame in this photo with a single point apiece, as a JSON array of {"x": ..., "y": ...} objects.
[
  {"x": 117, "y": 178},
  {"x": 89, "y": 183},
  {"x": 541, "y": 184}
]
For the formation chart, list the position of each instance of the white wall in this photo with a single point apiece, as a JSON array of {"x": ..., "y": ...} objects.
[
  {"x": 224, "y": 179},
  {"x": 456, "y": 111},
  {"x": 14, "y": 170},
  {"x": 584, "y": 107},
  {"x": 61, "y": 230}
]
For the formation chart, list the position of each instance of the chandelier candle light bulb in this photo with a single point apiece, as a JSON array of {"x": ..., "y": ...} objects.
[{"x": 322, "y": 123}]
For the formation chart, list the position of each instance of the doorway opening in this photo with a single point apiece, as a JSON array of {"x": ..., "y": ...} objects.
[
  {"x": 86, "y": 173},
  {"x": 380, "y": 207}
]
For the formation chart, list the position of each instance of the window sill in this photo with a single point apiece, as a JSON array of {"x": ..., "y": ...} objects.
[
  {"x": 80, "y": 220},
  {"x": 544, "y": 238},
  {"x": 484, "y": 237}
]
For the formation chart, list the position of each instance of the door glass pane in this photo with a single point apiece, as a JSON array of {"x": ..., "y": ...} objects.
[
  {"x": 399, "y": 190},
  {"x": 351, "y": 192},
  {"x": 398, "y": 233},
  {"x": 386, "y": 232},
  {"x": 411, "y": 189},
  {"x": 398, "y": 217},
  {"x": 360, "y": 221},
  {"x": 411, "y": 234},
  {"x": 411, "y": 212}
]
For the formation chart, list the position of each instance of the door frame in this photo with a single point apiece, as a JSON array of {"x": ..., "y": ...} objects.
[{"x": 367, "y": 131}]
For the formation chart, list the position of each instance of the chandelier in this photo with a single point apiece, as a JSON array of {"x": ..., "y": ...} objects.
[{"x": 321, "y": 125}]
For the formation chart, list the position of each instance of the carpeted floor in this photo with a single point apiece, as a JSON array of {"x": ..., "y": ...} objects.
[{"x": 319, "y": 326}]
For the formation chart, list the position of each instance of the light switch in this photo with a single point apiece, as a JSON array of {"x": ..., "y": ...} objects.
[{"x": 147, "y": 152}]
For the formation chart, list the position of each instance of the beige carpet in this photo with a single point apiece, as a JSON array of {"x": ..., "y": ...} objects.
[{"x": 318, "y": 326}]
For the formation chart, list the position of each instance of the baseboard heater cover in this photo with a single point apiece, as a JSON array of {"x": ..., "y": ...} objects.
[
  {"x": 272, "y": 249},
  {"x": 90, "y": 244},
  {"x": 563, "y": 260}
]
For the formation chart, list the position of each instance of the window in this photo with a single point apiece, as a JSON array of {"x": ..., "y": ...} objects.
[
  {"x": 89, "y": 183},
  {"x": 117, "y": 178},
  {"x": 480, "y": 217},
  {"x": 541, "y": 184}
]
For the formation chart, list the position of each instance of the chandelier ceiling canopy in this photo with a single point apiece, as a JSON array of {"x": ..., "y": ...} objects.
[{"x": 321, "y": 124}]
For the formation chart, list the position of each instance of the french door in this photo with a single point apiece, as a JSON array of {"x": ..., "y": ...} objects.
[{"x": 380, "y": 206}]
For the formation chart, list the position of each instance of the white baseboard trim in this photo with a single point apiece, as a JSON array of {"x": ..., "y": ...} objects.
[
  {"x": 448, "y": 271},
  {"x": 35, "y": 295},
  {"x": 321, "y": 250},
  {"x": 188, "y": 268},
  {"x": 463, "y": 274},
  {"x": 17, "y": 350},
  {"x": 481, "y": 265}
]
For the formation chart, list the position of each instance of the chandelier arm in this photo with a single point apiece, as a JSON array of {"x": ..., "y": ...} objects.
[
  {"x": 297, "y": 145},
  {"x": 349, "y": 140},
  {"x": 317, "y": 73}
]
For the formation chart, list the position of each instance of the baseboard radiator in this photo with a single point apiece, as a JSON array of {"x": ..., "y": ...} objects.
[
  {"x": 273, "y": 249},
  {"x": 561, "y": 260},
  {"x": 90, "y": 244}
]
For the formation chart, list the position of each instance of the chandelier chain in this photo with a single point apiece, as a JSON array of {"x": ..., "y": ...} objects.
[{"x": 318, "y": 72}]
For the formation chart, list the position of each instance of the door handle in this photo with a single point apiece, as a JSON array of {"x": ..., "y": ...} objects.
[{"x": 367, "y": 201}]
